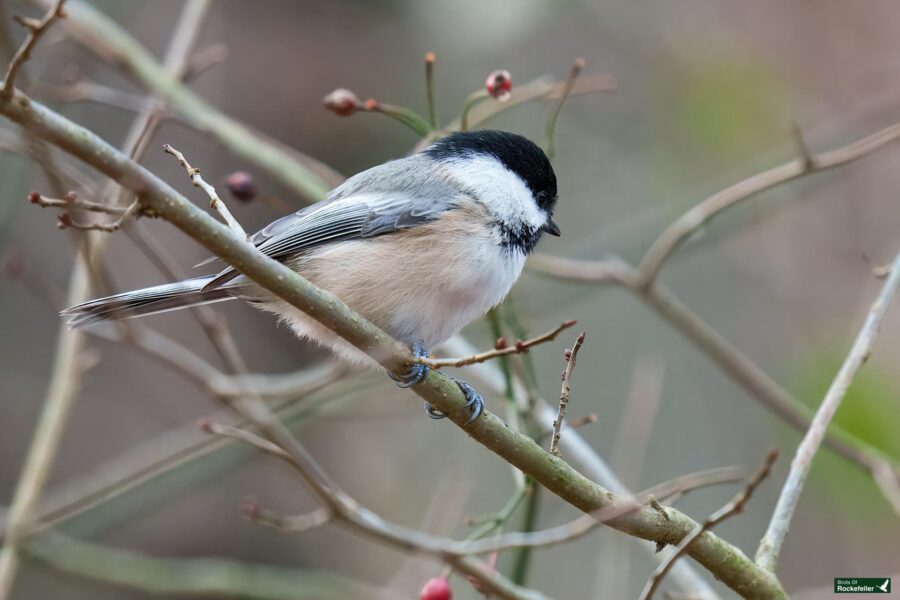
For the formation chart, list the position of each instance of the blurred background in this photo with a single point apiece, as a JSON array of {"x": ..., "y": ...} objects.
[{"x": 707, "y": 93}]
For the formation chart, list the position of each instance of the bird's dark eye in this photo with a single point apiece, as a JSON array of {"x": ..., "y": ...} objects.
[{"x": 544, "y": 200}]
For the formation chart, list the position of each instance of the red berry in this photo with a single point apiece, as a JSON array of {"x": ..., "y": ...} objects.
[
  {"x": 341, "y": 102},
  {"x": 241, "y": 185},
  {"x": 499, "y": 84},
  {"x": 436, "y": 589}
]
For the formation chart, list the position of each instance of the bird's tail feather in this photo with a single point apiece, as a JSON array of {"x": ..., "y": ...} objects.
[{"x": 148, "y": 301}]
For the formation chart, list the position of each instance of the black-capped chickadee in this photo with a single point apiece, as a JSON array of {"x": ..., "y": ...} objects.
[{"x": 420, "y": 246}]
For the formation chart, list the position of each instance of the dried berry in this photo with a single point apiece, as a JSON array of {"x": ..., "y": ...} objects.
[
  {"x": 241, "y": 185},
  {"x": 499, "y": 84}
]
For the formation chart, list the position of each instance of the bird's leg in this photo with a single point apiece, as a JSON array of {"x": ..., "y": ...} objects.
[{"x": 418, "y": 372}]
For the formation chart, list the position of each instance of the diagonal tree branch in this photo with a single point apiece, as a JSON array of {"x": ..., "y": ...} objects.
[
  {"x": 725, "y": 561},
  {"x": 735, "y": 505},
  {"x": 770, "y": 546},
  {"x": 732, "y": 361}
]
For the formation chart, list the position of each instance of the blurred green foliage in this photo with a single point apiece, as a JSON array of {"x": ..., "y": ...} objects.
[{"x": 728, "y": 106}]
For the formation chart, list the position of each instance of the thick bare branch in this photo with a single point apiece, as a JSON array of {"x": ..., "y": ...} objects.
[
  {"x": 734, "y": 506},
  {"x": 727, "y": 562}
]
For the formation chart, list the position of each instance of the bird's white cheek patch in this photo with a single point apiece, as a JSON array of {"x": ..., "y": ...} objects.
[{"x": 503, "y": 192}]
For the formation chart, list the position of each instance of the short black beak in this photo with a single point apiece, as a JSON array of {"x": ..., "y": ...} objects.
[{"x": 551, "y": 227}]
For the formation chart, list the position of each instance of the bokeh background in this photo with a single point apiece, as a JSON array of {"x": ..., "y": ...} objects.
[{"x": 707, "y": 92}]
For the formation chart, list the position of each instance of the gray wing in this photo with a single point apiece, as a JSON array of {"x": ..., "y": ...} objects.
[{"x": 391, "y": 197}]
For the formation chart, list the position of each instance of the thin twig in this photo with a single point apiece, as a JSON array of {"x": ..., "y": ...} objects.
[
  {"x": 571, "y": 356},
  {"x": 89, "y": 91},
  {"x": 429, "y": 89},
  {"x": 243, "y": 435},
  {"x": 471, "y": 100},
  {"x": 581, "y": 526},
  {"x": 36, "y": 29},
  {"x": 103, "y": 36},
  {"x": 147, "y": 462},
  {"x": 550, "y": 127},
  {"x": 67, "y": 221},
  {"x": 734, "y": 506},
  {"x": 770, "y": 546},
  {"x": 504, "y": 350},
  {"x": 214, "y": 201},
  {"x": 72, "y": 202},
  {"x": 542, "y": 88},
  {"x": 203, "y": 60},
  {"x": 285, "y": 523},
  {"x": 683, "y": 227},
  {"x": 61, "y": 393}
]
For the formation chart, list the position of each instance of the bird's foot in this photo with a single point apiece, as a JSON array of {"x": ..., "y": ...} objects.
[
  {"x": 417, "y": 371},
  {"x": 474, "y": 402}
]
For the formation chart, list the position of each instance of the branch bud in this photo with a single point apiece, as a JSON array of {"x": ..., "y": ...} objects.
[{"x": 342, "y": 102}]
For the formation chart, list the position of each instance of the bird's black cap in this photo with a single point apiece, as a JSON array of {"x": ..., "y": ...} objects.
[{"x": 517, "y": 153}]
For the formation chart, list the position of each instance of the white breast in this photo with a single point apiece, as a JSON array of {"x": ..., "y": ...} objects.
[{"x": 424, "y": 283}]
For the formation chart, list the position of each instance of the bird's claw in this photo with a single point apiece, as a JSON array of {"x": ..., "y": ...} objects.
[
  {"x": 474, "y": 402},
  {"x": 417, "y": 371}
]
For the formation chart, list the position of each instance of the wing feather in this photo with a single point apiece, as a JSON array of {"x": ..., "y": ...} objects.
[{"x": 345, "y": 219}]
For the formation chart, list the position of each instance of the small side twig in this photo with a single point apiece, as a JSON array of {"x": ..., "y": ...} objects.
[
  {"x": 66, "y": 221},
  {"x": 550, "y": 127},
  {"x": 203, "y": 60},
  {"x": 286, "y": 523},
  {"x": 73, "y": 202},
  {"x": 770, "y": 546},
  {"x": 214, "y": 201},
  {"x": 502, "y": 349},
  {"x": 36, "y": 30},
  {"x": 571, "y": 355},
  {"x": 734, "y": 506},
  {"x": 245, "y": 436}
]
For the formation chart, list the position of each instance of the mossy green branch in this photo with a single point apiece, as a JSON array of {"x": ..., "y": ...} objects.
[
  {"x": 725, "y": 561},
  {"x": 215, "y": 577}
]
